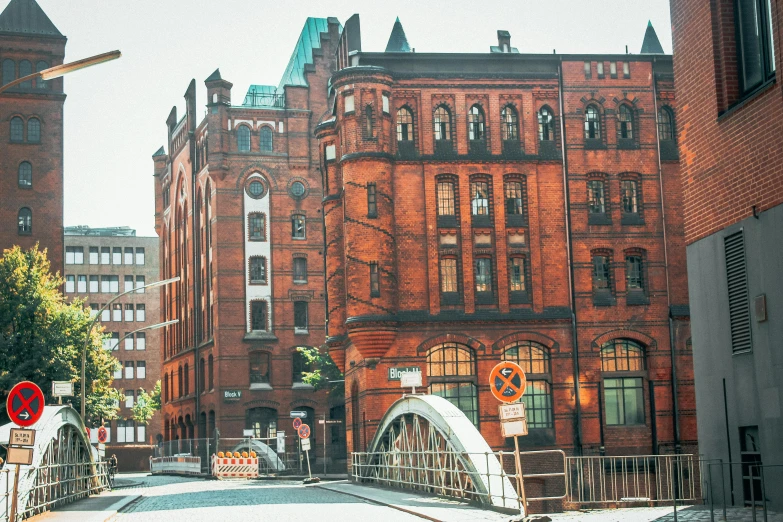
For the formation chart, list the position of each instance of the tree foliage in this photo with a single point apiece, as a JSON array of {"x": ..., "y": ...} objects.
[
  {"x": 42, "y": 336},
  {"x": 146, "y": 404},
  {"x": 323, "y": 373}
]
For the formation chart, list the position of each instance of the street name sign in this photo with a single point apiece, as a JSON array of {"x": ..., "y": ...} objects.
[
  {"x": 22, "y": 437},
  {"x": 62, "y": 388},
  {"x": 410, "y": 380},
  {"x": 396, "y": 373}
]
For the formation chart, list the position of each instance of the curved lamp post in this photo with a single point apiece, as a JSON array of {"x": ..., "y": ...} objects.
[
  {"x": 95, "y": 320},
  {"x": 59, "y": 70}
]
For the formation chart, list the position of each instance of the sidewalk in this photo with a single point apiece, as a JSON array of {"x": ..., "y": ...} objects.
[{"x": 97, "y": 508}]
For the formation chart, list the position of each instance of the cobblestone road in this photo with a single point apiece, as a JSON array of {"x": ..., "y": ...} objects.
[{"x": 173, "y": 499}]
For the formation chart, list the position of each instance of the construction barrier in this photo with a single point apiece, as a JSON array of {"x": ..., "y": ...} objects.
[
  {"x": 234, "y": 467},
  {"x": 186, "y": 465}
]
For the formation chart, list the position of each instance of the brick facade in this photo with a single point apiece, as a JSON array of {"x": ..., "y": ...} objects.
[
  {"x": 408, "y": 276},
  {"x": 259, "y": 242},
  {"x": 32, "y": 159}
]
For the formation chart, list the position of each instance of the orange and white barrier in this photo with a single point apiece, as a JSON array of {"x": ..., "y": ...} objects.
[{"x": 234, "y": 467}]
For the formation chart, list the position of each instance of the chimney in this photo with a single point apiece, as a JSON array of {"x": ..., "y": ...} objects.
[{"x": 504, "y": 41}]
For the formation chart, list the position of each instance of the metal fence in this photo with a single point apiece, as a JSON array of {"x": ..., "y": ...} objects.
[
  {"x": 730, "y": 487},
  {"x": 54, "y": 485},
  {"x": 633, "y": 479}
]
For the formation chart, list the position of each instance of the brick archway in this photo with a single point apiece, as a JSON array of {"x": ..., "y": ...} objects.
[
  {"x": 451, "y": 338},
  {"x": 541, "y": 339},
  {"x": 621, "y": 333}
]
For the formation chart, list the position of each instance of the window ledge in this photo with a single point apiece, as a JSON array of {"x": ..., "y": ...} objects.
[
  {"x": 261, "y": 386},
  {"x": 301, "y": 331},
  {"x": 260, "y": 335},
  {"x": 747, "y": 98},
  {"x": 301, "y": 386}
]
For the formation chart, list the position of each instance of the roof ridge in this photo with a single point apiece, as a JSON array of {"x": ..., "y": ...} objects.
[{"x": 26, "y": 17}]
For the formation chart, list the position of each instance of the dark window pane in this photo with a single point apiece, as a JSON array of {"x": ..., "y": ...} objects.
[
  {"x": 9, "y": 71},
  {"x": 257, "y": 227},
  {"x": 259, "y": 368},
  {"x": 442, "y": 124},
  {"x": 516, "y": 273},
  {"x": 626, "y": 122},
  {"x": 298, "y": 227},
  {"x": 243, "y": 139},
  {"x": 592, "y": 123},
  {"x": 448, "y": 275},
  {"x": 258, "y": 317},
  {"x": 601, "y": 274},
  {"x": 25, "y": 174},
  {"x": 545, "y": 125},
  {"x": 483, "y": 274},
  {"x": 17, "y": 129},
  {"x": 372, "y": 203},
  {"x": 404, "y": 125},
  {"x": 34, "y": 130},
  {"x": 479, "y": 198},
  {"x": 622, "y": 355},
  {"x": 25, "y": 69},
  {"x": 475, "y": 123},
  {"x": 266, "y": 139},
  {"x": 300, "y": 270},
  {"x": 514, "y": 197},
  {"x": 634, "y": 273},
  {"x": 509, "y": 126},
  {"x": 300, "y": 315},
  {"x": 446, "y": 198},
  {"x": 375, "y": 283},
  {"x": 258, "y": 270},
  {"x": 595, "y": 197}
]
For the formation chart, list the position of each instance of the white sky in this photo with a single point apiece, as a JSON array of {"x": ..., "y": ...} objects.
[{"x": 115, "y": 113}]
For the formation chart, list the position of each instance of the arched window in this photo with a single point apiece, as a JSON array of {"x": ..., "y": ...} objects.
[
  {"x": 623, "y": 392},
  {"x": 210, "y": 372},
  {"x": 446, "y": 199},
  {"x": 475, "y": 123},
  {"x": 545, "y": 124},
  {"x": 25, "y": 175},
  {"x": 592, "y": 123},
  {"x": 33, "y": 130},
  {"x": 369, "y": 132},
  {"x": 202, "y": 375},
  {"x": 665, "y": 124},
  {"x": 266, "y": 139},
  {"x": 243, "y": 138},
  {"x": 602, "y": 272},
  {"x": 441, "y": 125},
  {"x": 17, "y": 129},
  {"x": 259, "y": 368},
  {"x": 451, "y": 372},
  {"x": 629, "y": 196},
  {"x": 179, "y": 382},
  {"x": 509, "y": 124},
  {"x": 299, "y": 366},
  {"x": 596, "y": 202},
  {"x": 634, "y": 273},
  {"x": 625, "y": 123},
  {"x": 404, "y": 124},
  {"x": 534, "y": 360},
  {"x": 187, "y": 379},
  {"x": 25, "y": 69},
  {"x": 25, "y": 221},
  {"x": 9, "y": 71},
  {"x": 40, "y": 82},
  {"x": 263, "y": 422}
]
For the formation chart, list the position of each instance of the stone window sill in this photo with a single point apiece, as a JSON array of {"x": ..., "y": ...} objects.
[{"x": 260, "y": 386}]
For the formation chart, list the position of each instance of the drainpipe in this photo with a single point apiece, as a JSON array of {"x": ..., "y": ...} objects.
[
  {"x": 675, "y": 407},
  {"x": 196, "y": 241},
  {"x": 571, "y": 284}
]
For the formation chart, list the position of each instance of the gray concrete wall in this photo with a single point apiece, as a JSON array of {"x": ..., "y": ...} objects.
[{"x": 754, "y": 381}]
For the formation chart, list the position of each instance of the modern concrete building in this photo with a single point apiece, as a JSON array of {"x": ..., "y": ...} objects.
[
  {"x": 99, "y": 264},
  {"x": 731, "y": 163}
]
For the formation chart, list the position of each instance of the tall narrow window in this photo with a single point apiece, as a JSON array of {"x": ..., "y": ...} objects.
[
  {"x": 600, "y": 69},
  {"x": 613, "y": 69},
  {"x": 298, "y": 226},
  {"x": 442, "y": 124},
  {"x": 446, "y": 204},
  {"x": 94, "y": 256},
  {"x": 129, "y": 312},
  {"x": 629, "y": 196},
  {"x": 25, "y": 175},
  {"x": 592, "y": 123},
  {"x": 81, "y": 284},
  {"x": 33, "y": 130},
  {"x": 300, "y": 316},
  {"x": 266, "y": 139},
  {"x": 404, "y": 124},
  {"x": 375, "y": 281},
  {"x": 514, "y": 191},
  {"x": 243, "y": 138},
  {"x": 127, "y": 257},
  {"x": 116, "y": 312},
  {"x": 451, "y": 374},
  {"x": 545, "y": 124},
  {"x": 755, "y": 48},
  {"x": 9, "y": 71},
  {"x": 25, "y": 221},
  {"x": 602, "y": 281},
  {"x": 595, "y": 197},
  {"x": 665, "y": 124},
  {"x": 259, "y": 368},
  {"x": 258, "y": 315},
  {"x": 140, "y": 282},
  {"x": 141, "y": 341},
  {"x": 349, "y": 103},
  {"x": 105, "y": 255},
  {"x": 625, "y": 121},
  {"x": 40, "y": 82},
  {"x": 139, "y": 256},
  {"x": 17, "y": 129},
  {"x": 300, "y": 270},
  {"x": 116, "y": 256},
  {"x": 516, "y": 274},
  {"x": 483, "y": 274},
  {"x": 141, "y": 315},
  {"x": 372, "y": 203},
  {"x": 25, "y": 69},
  {"x": 128, "y": 283},
  {"x": 509, "y": 124},
  {"x": 257, "y": 270},
  {"x": 448, "y": 275},
  {"x": 475, "y": 123},
  {"x": 256, "y": 227},
  {"x": 94, "y": 284},
  {"x": 634, "y": 273},
  {"x": 369, "y": 131},
  {"x": 624, "y": 393},
  {"x": 70, "y": 284},
  {"x": 299, "y": 366},
  {"x": 479, "y": 198},
  {"x": 626, "y": 70},
  {"x": 588, "y": 71}
]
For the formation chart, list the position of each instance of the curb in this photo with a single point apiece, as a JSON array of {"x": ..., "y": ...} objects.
[
  {"x": 378, "y": 502},
  {"x": 115, "y": 508}
]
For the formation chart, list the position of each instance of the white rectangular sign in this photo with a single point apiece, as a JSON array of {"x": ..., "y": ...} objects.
[
  {"x": 281, "y": 442},
  {"x": 22, "y": 437},
  {"x": 19, "y": 456},
  {"x": 514, "y": 428},
  {"x": 62, "y": 388},
  {"x": 410, "y": 379},
  {"x": 515, "y": 410},
  {"x": 247, "y": 433},
  {"x": 305, "y": 444}
]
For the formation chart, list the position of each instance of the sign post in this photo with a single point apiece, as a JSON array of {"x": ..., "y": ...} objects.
[
  {"x": 25, "y": 405},
  {"x": 507, "y": 382},
  {"x": 304, "y": 434}
]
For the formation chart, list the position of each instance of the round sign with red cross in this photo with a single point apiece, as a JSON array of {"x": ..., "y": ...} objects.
[
  {"x": 89, "y": 433},
  {"x": 103, "y": 435},
  {"x": 297, "y": 423},
  {"x": 25, "y": 404},
  {"x": 304, "y": 431},
  {"x": 507, "y": 381}
]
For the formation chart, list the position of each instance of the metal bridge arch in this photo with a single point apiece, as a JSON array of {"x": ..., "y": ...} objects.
[
  {"x": 426, "y": 442},
  {"x": 64, "y": 467},
  {"x": 264, "y": 452}
]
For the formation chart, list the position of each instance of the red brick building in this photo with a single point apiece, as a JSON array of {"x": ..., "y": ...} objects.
[
  {"x": 731, "y": 160},
  {"x": 31, "y": 185},
  {"x": 482, "y": 207},
  {"x": 238, "y": 211}
]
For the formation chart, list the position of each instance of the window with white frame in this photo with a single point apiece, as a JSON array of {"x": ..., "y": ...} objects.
[
  {"x": 81, "y": 284},
  {"x": 140, "y": 282},
  {"x": 141, "y": 369},
  {"x": 129, "y": 370},
  {"x": 141, "y": 341},
  {"x": 139, "y": 256},
  {"x": 140, "y": 313}
]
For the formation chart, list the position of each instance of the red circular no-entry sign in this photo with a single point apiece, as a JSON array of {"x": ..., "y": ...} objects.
[
  {"x": 25, "y": 404},
  {"x": 507, "y": 381},
  {"x": 88, "y": 433},
  {"x": 103, "y": 435},
  {"x": 304, "y": 431},
  {"x": 297, "y": 423}
]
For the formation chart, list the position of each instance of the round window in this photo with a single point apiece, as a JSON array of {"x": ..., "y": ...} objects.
[
  {"x": 297, "y": 189},
  {"x": 255, "y": 189}
]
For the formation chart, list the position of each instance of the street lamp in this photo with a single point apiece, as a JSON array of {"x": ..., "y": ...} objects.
[
  {"x": 95, "y": 320},
  {"x": 59, "y": 70},
  {"x": 145, "y": 328}
]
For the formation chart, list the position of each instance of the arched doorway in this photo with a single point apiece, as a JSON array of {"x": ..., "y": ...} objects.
[{"x": 263, "y": 422}]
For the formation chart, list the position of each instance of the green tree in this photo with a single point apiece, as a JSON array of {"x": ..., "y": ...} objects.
[
  {"x": 146, "y": 405},
  {"x": 42, "y": 335},
  {"x": 323, "y": 373}
]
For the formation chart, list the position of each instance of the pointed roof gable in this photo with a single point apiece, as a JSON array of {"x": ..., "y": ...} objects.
[
  {"x": 214, "y": 76},
  {"x": 651, "y": 44},
  {"x": 309, "y": 39},
  {"x": 26, "y": 17},
  {"x": 160, "y": 152},
  {"x": 398, "y": 43}
]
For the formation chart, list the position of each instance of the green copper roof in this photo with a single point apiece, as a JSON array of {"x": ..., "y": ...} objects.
[
  {"x": 264, "y": 96},
  {"x": 309, "y": 39},
  {"x": 398, "y": 42},
  {"x": 26, "y": 17},
  {"x": 651, "y": 44}
]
